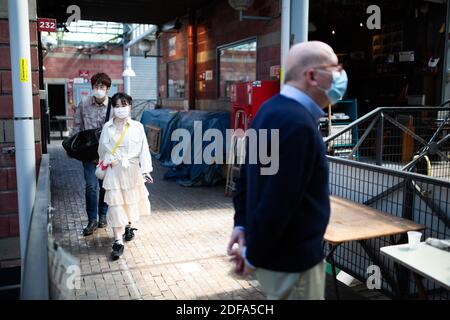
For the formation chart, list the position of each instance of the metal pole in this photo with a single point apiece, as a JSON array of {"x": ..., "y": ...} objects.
[
  {"x": 192, "y": 33},
  {"x": 127, "y": 65},
  {"x": 19, "y": 35},
  {"x": 379, "y": 140},
  {"x": 157, "y": 46},
  {"x": 42, "y": 103},
  {"x": 300, "y": 20},
  {"x": 285, "y": 34}
]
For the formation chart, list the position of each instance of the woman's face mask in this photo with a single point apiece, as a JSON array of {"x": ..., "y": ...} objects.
[{"x": 122, "y": 112}]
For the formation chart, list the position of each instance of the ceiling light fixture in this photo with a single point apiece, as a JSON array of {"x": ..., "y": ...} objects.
[{"x": 242, "y": 5}]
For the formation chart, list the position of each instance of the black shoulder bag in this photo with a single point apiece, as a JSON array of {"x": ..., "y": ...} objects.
[{"x": 83, "y": 145}]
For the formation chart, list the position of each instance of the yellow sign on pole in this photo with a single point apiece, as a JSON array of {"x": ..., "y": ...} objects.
[{"x": 23, "y": 70}]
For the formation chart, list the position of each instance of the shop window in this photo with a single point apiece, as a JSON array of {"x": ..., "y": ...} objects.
[
  {"x": 236, "y": 63},
  {"x": 175, "y": 79}
]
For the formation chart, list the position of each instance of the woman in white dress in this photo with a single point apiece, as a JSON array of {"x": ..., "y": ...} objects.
[{"x": 124, "y": 150}]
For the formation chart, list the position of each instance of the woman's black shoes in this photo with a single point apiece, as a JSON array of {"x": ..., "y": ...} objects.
[
  {"x": 117, "y": 247},
  {"x": 129, "y": 233},
  {"x": 117, "y": 250}
]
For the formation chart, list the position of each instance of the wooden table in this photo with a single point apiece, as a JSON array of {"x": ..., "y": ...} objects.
[
  {"x": 425, "y": 261},
  {"x": 350, "y": 221}
]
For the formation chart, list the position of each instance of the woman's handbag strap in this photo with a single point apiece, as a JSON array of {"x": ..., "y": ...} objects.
[{"x": 120, "y": 139}]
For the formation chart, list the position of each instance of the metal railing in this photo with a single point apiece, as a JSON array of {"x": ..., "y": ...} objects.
[
  {"x": 416, "y": 197},
  {"x": 414, "y": 139},
  {"x": 35, "y": 280},
  {"x": 49, "y": 272},
  {"x": 383, "y": 175}
]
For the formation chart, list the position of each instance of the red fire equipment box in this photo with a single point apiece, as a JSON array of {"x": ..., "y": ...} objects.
[{"x": 247, "y": 98}]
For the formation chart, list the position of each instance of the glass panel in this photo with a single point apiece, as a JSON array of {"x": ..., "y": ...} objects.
[
  {"x": 91, "y": 31},
  {"x": 237, "y": 63},
  {"x": 175, "y": 79}
]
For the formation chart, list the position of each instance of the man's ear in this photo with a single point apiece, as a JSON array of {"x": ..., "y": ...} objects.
[{"x": 310, "y": 77}]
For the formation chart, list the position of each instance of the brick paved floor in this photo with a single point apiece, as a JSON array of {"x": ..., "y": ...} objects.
[{"x": 178, "y": 252}]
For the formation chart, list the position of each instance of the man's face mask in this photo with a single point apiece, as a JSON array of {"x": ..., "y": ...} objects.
[
  {"x": 338, "y": 86},
  {"x": 99, "y": 93}
]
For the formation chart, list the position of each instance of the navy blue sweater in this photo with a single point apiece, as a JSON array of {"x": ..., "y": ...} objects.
[{"x": 285, "y": 215}]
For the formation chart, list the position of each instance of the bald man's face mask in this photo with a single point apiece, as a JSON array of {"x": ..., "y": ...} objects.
[{"x": 338, "y": 86}]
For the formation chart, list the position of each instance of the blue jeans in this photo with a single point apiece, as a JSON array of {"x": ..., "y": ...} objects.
[{"x": 95, "y": 194}]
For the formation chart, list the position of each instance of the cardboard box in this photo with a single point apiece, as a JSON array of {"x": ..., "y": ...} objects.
[{"x": 154, "y": 138}]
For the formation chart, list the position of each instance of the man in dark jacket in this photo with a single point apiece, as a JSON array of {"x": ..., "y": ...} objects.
[{"x": 280, "y": 219}]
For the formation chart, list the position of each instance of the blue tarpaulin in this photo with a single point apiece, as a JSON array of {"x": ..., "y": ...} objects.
[
  {"x": 188, "y": 174},
  {"x": 165, "y": 119}
]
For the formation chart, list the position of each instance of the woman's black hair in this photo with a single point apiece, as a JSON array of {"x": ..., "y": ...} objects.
[{"x": 123, "y": 97}]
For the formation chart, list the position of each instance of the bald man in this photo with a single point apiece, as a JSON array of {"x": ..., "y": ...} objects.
[{"x": 280, "y": 219}]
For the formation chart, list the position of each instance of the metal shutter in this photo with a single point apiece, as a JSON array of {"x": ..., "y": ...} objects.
[{"x": 143, "y": 86}]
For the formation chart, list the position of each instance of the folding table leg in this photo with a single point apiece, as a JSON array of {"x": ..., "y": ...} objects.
[
  {"x": 420, "y": 288},
  {"x": 330, "y": 258}
]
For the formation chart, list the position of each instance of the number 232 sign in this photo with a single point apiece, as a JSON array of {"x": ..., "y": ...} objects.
[{"x": 45, "y": 24}]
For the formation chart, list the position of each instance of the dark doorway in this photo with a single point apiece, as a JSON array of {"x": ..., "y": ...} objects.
[{"x": 57, "y": 104}]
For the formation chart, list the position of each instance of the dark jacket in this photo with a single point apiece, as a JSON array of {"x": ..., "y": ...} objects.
[{"x": 285, "y": 215}]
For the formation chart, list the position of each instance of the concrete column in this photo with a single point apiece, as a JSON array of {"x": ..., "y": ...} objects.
[
  {"x": 19, "y": 36},
  {"x": 299, "y": 21},
  {"x": 294, "y": 27},
  {"x": 285, "y": 34}
]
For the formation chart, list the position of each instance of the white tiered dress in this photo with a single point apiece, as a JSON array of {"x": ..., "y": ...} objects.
[{"x": 125, "y": 190}]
